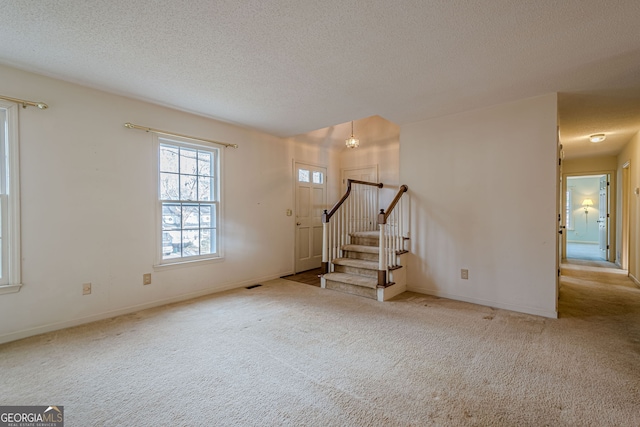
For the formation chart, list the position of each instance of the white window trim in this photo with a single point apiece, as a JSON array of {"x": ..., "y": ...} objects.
[
  {"x": 13, "y": 210},
  {"x": 161, "y": 264},
  {"x": 569, "y": 212}
]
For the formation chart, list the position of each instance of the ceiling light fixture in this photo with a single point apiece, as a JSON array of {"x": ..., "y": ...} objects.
[
  {"x": 597, "y": 137},
  {"x": 352, "y": 142}
]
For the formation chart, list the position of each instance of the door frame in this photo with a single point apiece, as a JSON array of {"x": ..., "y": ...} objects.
[
  {"x": 561, "y": 229},
  {"x": 611, "y": 229},
  {"x": 625, "y": 214},
  {"x": 294, "y": 183},
  {"x": 343, "y": 183}
]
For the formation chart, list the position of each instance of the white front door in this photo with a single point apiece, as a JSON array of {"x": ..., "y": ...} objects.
[
  {"x": 603, "y": 217},
  {"x": 311, "y": 200}
]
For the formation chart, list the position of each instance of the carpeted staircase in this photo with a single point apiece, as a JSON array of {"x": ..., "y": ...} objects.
[{"x": 357, "y": 271}]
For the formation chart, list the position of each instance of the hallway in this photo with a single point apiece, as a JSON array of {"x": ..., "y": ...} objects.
[
  {"x": 589, "y": 289},
  {"x": 586, "y": 251}
]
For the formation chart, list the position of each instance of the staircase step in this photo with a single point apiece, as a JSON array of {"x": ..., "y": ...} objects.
[
  {"x": 362, "y": 248},
  {"x": 356, "y": 266},
  {"x": 352, "y": 279},
  {"x": 370, "y": 253},
  {"x": 352, "y": 284},
  {"x": 368, "y": 238},
  {"x": 358, "y": 263},
  {"x": 370, "y": 234}
]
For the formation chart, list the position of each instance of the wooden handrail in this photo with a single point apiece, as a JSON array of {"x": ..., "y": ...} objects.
[
  {"x": 326, "y": 216},
  {"x": 382, "y": 216}
]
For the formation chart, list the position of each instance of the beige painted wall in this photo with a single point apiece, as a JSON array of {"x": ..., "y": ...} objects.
[
  {"x": 316, "y": 149},
  {"x": 631, "y": 153},
  {"x": 88, "y": 202},
  {"x": 379, "y": 145},
  {"x": 586, "y": 165},
  {"x": 483, "y": 191},
  {"x": 88, "y": 207}
]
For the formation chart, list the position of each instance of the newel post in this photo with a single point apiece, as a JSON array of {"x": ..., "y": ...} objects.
[
  {"x": 382, "y": 256},
  {"x": 325, "y": 242}
]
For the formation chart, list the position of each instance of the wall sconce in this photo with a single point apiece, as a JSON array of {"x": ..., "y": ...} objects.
[{"x": 586, "y": 203}]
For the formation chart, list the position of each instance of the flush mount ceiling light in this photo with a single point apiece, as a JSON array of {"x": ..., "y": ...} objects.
[
  {"x": 597, "y": 137},
  {"x": 352, "y": 142}
]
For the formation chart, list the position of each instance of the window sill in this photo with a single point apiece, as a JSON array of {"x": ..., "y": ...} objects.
[
  {"x": 189, "y": 263},
  {"x": 9, "y": 289}
]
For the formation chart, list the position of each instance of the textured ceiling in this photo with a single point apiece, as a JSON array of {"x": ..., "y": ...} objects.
[{"x": 289, "y": 67}]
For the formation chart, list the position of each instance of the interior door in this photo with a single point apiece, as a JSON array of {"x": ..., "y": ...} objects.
[
  {"x": 368, "y": 173},
  {"x": 603, "y": 217},
  {"x": 311, "y": 200},
  {"x": 561, "y": 208},
  {"x": 367, "y": 220}
]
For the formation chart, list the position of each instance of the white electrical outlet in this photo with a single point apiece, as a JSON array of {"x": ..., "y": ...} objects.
[
  {"x": 86, "y": 288},
  {"x": 464, "y": 274},
  {"x": 146, "y": 279}
]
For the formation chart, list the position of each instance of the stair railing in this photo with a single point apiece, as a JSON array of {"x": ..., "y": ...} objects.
[
  {"x": 355, "y": 211},
  {"x": 392, "y": 226}
]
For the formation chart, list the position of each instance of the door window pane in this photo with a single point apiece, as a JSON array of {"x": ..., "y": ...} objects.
[{"x": 303, "y": 175}]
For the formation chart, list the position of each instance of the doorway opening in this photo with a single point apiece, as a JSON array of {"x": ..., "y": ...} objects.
[{"x": 589, "y": 219}]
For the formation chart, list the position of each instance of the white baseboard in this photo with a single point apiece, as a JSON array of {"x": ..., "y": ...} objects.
[
  {"x": 479, "y": 301},
  {"x": 13, "y": 336},
  {"x": 385, "y": 294},
  {"x": 634, "y": 279}
]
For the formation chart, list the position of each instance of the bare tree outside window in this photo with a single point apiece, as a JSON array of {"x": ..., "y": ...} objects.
[{"x": 189, "y": 199}]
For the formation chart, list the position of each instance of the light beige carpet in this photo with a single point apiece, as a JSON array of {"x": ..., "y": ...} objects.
[{"x": 292, "y": 354}]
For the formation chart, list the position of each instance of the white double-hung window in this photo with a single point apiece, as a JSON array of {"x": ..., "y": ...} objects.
[
  {"x": 189, "y": 200},
  {"x": 9, "y": 199}
]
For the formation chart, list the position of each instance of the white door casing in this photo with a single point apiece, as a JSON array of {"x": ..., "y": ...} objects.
[
  {"x": 626, "y": 195},
  {"x": 366, "y": 173},
  {"x": 561, "y": 224},
  {"x": 311, "y": 200},
  {"x": 603, "y": 217}
]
